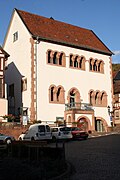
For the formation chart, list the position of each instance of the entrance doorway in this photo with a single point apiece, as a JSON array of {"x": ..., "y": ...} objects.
[
  {"x": 99, "y": 126},
  {"x": 83, "y": 124}
]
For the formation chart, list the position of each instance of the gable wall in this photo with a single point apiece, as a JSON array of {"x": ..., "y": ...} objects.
[{"x": 20, "y": 58}]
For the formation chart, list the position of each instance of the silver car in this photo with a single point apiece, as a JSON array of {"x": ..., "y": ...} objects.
[
  {"x": 6, "y": 138},
  {"x": 61, "y": 133}
]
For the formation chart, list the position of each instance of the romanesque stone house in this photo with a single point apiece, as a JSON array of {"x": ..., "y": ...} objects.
[{"x": 58, "y": 72}]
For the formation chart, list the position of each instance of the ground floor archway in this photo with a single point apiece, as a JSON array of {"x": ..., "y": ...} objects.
[
  {"x": 83, "y": 123},
  {"x": 100, "y": 125}
]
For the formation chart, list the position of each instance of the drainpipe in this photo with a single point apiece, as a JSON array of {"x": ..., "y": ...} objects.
[{"x": 37, "y": 41}]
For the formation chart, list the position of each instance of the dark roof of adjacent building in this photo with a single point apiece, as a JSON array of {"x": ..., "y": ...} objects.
[
  {"x": 116, "y": 82},
  {"x": 116, "y": 75},
  {"x": 50, "y": 30}
]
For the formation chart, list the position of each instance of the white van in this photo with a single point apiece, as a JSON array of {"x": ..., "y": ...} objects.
[{"x": 37, "y": 132}]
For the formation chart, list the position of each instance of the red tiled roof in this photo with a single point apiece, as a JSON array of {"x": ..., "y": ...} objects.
[{"x": 59, "y": 32}]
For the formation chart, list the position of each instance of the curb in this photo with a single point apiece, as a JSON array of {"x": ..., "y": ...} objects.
[{"x": 101, "y": 135}]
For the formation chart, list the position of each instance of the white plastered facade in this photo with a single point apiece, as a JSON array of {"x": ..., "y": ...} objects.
[{"x": 83, "y": 80}]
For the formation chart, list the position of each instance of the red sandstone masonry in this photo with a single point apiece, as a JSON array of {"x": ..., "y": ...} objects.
[{"x": 12, "y": 129}]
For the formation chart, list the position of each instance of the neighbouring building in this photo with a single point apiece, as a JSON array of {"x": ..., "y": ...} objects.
[
  {"x": 58, "y": 72},
  {"x": 3, "y": 94},
  {"x": 116, "y": 107}
]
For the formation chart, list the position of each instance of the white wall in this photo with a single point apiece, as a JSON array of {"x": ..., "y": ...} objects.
[
  {"x": 20, "y": 54},
  {"x": 19, "y": 60},
  {"x": 68, "y": 78}
]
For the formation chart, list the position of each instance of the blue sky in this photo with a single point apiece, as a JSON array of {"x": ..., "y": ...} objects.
[{"x": 101, "y": 16}]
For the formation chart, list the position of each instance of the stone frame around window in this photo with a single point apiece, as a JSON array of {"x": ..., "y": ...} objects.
[{"x": 56, "y": 58}]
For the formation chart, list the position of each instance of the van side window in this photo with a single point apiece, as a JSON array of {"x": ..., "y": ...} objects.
[
  {"x": 54, "y": 129},
  {"x": 47, "y": 128},
  {"x": 41, "y": 128}
]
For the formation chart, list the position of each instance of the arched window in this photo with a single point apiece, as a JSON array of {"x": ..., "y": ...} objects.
[
  {"x": 76, "y": 62},
  {"x": 91, "y": 97},
  {"x": 100, "y": 67},
  {"x": 74, "y": 97},
  {"x": 95, "y": 65},
  {"x": 55, "y": 59},
  {"x": 71, "y": 61},
  {"x": 60, "y": 93},
  {"x": 52, "y": 94},
  {"x": 80, "y": 63},
  {"x": 50, "y": 56},
  {"x": 90, "y": 64},
  {"x": 56, "y": 94},
  {"x": 97, "y": 98},
  {"x": 60, "y": 59},
  {"x": 103, "y": 99}
]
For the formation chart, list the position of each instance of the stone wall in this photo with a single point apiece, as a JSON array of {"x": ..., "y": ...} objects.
[{"x": 12, "y": 129}]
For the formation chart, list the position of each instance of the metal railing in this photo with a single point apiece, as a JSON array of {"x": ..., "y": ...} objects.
[{"x": 79, "y": 106}]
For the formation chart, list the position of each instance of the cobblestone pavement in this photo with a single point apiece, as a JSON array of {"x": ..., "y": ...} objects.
[{"x": 95, "y": 158}]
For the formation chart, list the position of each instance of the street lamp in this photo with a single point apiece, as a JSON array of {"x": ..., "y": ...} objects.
[{"x": 110, "y": 115}]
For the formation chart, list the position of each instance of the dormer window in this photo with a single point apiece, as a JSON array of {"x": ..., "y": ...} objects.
[{"x": 15, "y": 36}]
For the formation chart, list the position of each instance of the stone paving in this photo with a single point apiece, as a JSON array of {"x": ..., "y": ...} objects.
[{"x": 95, "y": 158}]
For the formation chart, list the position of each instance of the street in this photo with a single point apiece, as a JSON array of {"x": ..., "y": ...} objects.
[{"x": 95, "y": 158}]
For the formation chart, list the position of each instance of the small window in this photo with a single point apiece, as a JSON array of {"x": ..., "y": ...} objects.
[
  {"x": 15, "y": 36},
  {"x": 41, "y": 128},
  {"x": 47, "y": 128},
  {"x": 54, "y": 129}
]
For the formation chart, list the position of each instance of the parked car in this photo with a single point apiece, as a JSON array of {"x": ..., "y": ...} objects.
[
  {"x": 78, "y": 133},
  {"x": 21, "y": 136},
  {"x": 61, "y": 133},
  {"x": 6, "y": 138},
  {"x": 38, "y": 131}
]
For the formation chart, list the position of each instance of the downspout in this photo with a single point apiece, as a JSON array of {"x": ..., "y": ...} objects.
[{"x": 37, "y": 41}]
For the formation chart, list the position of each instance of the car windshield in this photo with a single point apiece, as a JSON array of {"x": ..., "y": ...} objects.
[{"x": 65, "y": 129}]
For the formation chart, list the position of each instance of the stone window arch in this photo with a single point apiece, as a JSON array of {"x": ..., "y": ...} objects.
[
  {"x": 60, "y": 95},
  {"x": 95, "y": 65},
  {"x": 91, "y": 61},
  {"x": 101, "y": 66},
  {"x": 82, "y": 63},
  {"x": 76, "y": 62},
  {"x": 56, "y": 58},
  {"x": 50, "y": 54},
  {"x": 56, "y": 94},
  {"x": 71, "y": 60},
  {"x": 103, "y": 98},
  {"x": 97, "y": 98},
  {"x": 73, "y": 96},
  {"x": 91, "y": 97},
  {"x": 52, "y": 92}
]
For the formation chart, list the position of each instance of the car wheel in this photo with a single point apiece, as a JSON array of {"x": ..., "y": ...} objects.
[
  {"x": 20, "y": 139},
  {"x": 54, "y": 139},
  {"x": 8, "y": 141},
  {"x": 32, "y": 139}
]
